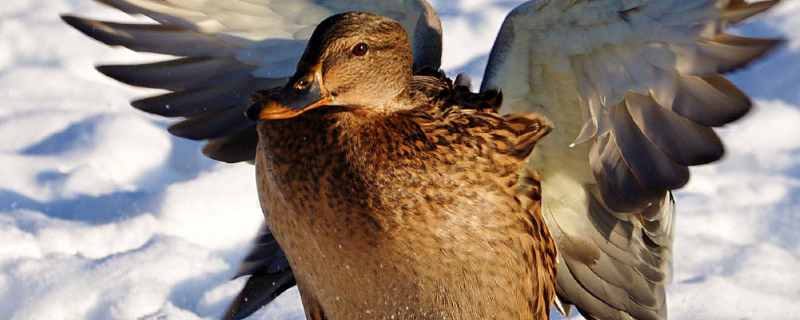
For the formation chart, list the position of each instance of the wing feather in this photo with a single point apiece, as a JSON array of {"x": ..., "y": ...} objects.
[
  {"x": 180, "y": 74},
  {"x": 739, "y": 10},
  {"x": 681, "y": 139},
  {"x": 733, "y": 52},
  {"x": 710, "y": 101},
  {"x": 652, "y": 167},
  {"x": 228, "y": 49},
  {"x": 212, "y": 124},
  {"x": 236, "y": 147},
  {"x": 270, "y": 275},
  {"x": 633, "y": 88},
  {"x": 166, "y": 12},
  {"x": 625, "y": 193},
  {"x": 198, "y": 101},
  {"x": 154, "y": 38}
]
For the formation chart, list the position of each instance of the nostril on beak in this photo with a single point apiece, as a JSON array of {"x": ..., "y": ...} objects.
[{"x": 301, "y": 84}]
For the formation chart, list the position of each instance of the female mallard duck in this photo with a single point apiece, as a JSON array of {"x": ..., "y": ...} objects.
[
  {"x": 424, "y": 173},
  {"x": 399, "y": 196}
]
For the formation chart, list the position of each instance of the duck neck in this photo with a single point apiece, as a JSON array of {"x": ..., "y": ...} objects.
[
  {"x": 398, "y": 101},
  {"x": 344, "y": 130}
]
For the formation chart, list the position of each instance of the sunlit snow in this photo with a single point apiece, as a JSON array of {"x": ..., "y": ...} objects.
[{"x": 104, "y": 215}]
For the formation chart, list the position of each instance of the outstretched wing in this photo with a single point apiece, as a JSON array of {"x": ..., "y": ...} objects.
[
  {"x": 225, "y": 50},
  {"x": 228, "y": 49},
  {"x": 633, "y": 88}
]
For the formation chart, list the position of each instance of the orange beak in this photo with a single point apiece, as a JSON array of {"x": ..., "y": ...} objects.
[{"x": 305, "y": 91}]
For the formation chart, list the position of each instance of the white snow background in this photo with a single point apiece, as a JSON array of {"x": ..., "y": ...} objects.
[{"x": 104, "y": 215}]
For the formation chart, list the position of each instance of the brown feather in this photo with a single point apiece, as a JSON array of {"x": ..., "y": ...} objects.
[{"x": 426, "y": 202}]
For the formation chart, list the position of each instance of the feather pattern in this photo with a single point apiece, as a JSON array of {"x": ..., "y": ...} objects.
[
  {"x": 633, "y": 88},
  {"x": 269, "y": 272},
  {"x": 179, "y": 74},
  {"x": 228, "y": 49}
]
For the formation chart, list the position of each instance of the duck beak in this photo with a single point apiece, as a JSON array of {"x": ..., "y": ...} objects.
[{"x": 305, "y": 91}]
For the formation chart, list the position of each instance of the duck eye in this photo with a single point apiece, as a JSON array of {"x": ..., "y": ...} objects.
[
  {"x": 301, "y": 84},
  {"x": 360, "y": 49}
]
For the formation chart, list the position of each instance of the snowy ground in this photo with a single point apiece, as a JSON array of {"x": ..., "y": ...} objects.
[{"x": 103, "y": 215}]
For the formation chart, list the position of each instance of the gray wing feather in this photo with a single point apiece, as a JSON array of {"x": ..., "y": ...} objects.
[
  {"x": 649, "y": 165},
  {"x": 614, "y": 269},
  {"x": 237, "y": 147},
  {"x": 740, "y": 10},
  {"x": 694, "y": 144},
  {"x": 260, "y": 290},
  {"x": 228, "y": 49},
  {"x": 270, "y": 275},
  {"x": 633, "y": 89},
  {"x": 180, "y": 74},
  {"x": 154, "y": 38},
  {"x": 161, "y": 11},
  {"x": 265, "y": 255},
  {"x": 623, "y": 191},
  {"x": 199, "y": 101},
  {"x": 213, "y": 124},
  {"x": 730, "y": 52},
  {"x": 710, "y": 101}
]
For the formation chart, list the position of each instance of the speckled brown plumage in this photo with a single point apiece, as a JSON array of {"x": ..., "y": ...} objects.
[
  {"x": 412, "y": 208},
  {"x": 423, "y": 209}
]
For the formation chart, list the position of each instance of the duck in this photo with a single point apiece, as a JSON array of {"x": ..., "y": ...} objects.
[
  {"x": 385, "y": 185},
  {"x": 394, "y": 181}
]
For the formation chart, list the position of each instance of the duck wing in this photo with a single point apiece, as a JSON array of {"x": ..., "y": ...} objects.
[
  {"x": 270, "y": 275},
  {"x": 224, "y": 51},
  {"x": 634, "y": 88},
  {"x": 227, "y": 49}
]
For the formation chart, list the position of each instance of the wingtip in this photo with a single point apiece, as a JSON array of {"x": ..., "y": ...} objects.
[
  {"x": 122, "y": 73},
  {"x": 94, "y": 29},
  {"x": 738, "y": 11},
  {"x": 108, "y": 71},
  {"x": 67, "y": 18},
  {"x": 775, "y": 43},
  {"x": 177, "y": 130},
  {"x": 751, "y": 49},
  {"x": 769, "y": 46},
  {"x": 84, "y": 25},
  {"x": 563, "y": 307},
  {"x": 74, "y": 21},
  {"x": 259, "y": 291},
  {"x": 146, "y": 106},
  {"x": 237, "y": 147}
]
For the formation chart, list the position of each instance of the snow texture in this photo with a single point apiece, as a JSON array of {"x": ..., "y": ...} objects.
[{"x": 104, "y": 215}]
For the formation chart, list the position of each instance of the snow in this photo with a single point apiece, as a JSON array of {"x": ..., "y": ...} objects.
[{"x": 104, "y": 215}]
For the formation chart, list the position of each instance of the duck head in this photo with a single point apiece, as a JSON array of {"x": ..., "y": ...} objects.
[{"x": 353, "y": 59}]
